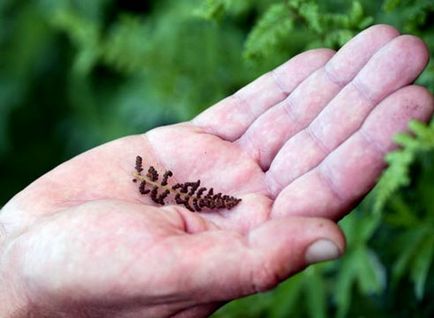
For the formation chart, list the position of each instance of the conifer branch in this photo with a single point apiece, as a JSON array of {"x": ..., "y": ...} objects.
[{"x": 189, "y": 194}]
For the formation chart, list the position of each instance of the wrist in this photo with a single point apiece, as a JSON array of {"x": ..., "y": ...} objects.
[
  {"x": 12, "y": 302},
  {"x": 10, "y": 306}
]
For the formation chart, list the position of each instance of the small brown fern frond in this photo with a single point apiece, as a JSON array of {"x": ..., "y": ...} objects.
[{"x": 189, "y": 194}]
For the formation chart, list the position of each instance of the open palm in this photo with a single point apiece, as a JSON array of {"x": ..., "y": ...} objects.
[{"x": 301, "y": 146}]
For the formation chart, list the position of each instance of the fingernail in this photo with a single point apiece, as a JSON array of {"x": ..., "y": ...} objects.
[{"x": 321, "y": 250}]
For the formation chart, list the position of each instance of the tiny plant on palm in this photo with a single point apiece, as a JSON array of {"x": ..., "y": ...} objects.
[{"x": 189, "y": 194}]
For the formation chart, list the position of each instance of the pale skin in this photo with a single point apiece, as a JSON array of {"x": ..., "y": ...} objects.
[{"x": 301, "y": 146}]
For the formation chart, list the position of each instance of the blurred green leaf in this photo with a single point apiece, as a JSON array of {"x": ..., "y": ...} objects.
[
  {"x": 345, "y": 280},
  {"x": 422, "y": 263},
  {"x": 286, "y": 298},
  {"x": 371, "y": 273},
  {"x": 316, "y": 293},
  {"x": 84, "y": 34},
  {"x": 409, "y": 250}
]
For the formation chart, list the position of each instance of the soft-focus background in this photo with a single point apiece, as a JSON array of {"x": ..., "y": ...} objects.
[{"x": 77, "y": 73}]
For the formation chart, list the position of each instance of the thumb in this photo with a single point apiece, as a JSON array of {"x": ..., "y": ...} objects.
[
  {"x": 233, "y": 265},
  {"x": 284, "y": 247}
]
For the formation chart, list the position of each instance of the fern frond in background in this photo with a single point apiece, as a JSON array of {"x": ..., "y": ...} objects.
[
  {"x": 273, "y": 28},
  {"x": 299, "y": 25},
  {"x": 411, "y": 170},
  {"x": 217, "y": 9},
  {"x": 398, "y": 173},
  {"x": 79, "y": 73}
]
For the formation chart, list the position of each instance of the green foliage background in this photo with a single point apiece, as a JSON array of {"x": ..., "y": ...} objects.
[{"x": 76, "y": 73}]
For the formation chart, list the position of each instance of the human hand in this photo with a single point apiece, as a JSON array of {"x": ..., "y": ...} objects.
[{"x": 300, "y": 145}]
